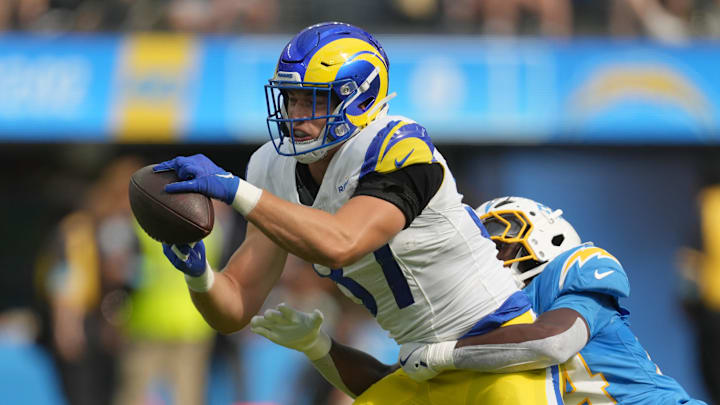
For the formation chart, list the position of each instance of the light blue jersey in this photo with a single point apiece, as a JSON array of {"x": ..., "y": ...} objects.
[{"x": 613, "y": 367}]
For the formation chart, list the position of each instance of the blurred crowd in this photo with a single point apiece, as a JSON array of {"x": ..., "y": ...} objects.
[
  {"x": 93, "y": 313},
  {"x": 664, "y": 20}
]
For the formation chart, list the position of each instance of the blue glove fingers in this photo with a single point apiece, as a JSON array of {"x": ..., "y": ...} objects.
[
  {"x": 199, "y": 165},
  {"x": 198, "y": 174},
  {"x": 165, "y": 166},
  {"x": 189, "y": 186},
  {"x": 196, "y": 261},
  {"x": 176, "y": 261},
  {"x": 208, "y": 165},
  {"x": 188, "y": 169},
  {"x": 182, "y": 251},
  {"x": 189, "y": 260}
]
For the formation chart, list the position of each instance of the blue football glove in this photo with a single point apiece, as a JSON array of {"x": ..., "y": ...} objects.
[
  {"x": 190, "y": 259},
  {"x": 202, "y": 176}
]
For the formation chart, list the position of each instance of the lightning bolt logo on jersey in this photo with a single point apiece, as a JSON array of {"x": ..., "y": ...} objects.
[
  {"x": 435, "y": 279},
  {"x": 604, "y": 372},
  {"x": 582, "y": 256}
]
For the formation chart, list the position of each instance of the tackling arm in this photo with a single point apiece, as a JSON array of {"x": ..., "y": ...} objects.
[
  {"x": 552, "y": 339},
  {"x": 357, "y": 369}
]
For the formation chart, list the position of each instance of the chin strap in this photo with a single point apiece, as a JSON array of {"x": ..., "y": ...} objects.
[
  {"x": 521, "y": 278},
  {"x": 311, "y": 157}
]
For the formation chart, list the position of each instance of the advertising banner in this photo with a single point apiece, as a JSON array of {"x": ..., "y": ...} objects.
[{"x": 177, "y": 88}]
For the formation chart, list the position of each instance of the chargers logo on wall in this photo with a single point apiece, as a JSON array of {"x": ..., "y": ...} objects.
[{"x": 652, "y": 97}]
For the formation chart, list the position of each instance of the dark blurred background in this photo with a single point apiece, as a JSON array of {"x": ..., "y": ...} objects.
[{"x": 608, "y": 110}]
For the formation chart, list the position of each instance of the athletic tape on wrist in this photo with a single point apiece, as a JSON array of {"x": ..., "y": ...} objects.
[
  {"x": 440, "y": 355},
  {"x": 203, "y": 282},
  {"x": 246, "y": 197}
]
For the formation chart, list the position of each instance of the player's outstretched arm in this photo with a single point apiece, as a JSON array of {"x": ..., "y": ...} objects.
[
  {"x": 362, "y": 225},
  {"x": 347, "y": 369},
  {"x": 334, "y": 240},
  {"x": 552, "y": 339}
]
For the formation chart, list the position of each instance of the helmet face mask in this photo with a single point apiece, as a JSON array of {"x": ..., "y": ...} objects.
[
  {"x": 324, "y": 107},
  {"x": 510, "y": 227},
  {"x": 336, "y": 62},
  {"x": 528, "y": 234}
]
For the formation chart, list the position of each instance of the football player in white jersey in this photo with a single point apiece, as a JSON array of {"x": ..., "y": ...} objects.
[
  {"x": 367, "y": 198},
  {"x": 574, "y": 287}
]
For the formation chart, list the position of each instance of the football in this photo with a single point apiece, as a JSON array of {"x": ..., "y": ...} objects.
[{"x": 169, "y": 218}]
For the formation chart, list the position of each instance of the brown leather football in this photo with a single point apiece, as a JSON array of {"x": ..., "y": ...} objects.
[{"x": 170, "y": 218}]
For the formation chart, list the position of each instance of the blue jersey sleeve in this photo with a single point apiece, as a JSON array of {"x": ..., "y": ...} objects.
[
  {"x": 596, "y": 309},
  {"x": 592, "y": 269}
]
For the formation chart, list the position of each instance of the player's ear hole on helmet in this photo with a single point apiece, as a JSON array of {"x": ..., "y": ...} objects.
[
  {"x": 557, "y": 240},
  {"x": 365, "y": 104}
]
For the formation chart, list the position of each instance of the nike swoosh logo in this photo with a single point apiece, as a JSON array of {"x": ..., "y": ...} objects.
[
  {"x": 601, "y": 276},
  {"x": 402, "y": 162},
  {"x": 225, "y": 176},
  {"x": 402, "y": 362}
]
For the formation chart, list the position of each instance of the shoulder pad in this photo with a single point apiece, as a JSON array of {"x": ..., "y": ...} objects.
[
  {"x": 588, "y": 268},
  {"x": 399, "y": 144}
]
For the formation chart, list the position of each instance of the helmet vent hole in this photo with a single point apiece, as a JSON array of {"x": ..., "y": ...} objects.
[
  {"x": 557, "y": 240},
  {"x": 532, "y": 213},
  {"x": 364, "y": 105}
]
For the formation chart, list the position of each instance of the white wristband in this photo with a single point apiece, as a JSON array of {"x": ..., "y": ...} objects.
[
  {"x": 246, "y": 197},
  {"x": 203, "y": 282}
]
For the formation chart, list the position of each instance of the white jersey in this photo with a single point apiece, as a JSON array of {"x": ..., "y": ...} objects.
[{"x": 435, "y": 279}]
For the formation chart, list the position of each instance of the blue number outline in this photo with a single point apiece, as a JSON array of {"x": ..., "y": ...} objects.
[{"x": 393, "y": 276}]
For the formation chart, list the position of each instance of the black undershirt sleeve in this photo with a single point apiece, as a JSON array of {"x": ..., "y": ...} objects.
[{"x": 409, "y": 188}]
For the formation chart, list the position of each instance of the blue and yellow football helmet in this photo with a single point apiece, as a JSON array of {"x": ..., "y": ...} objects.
[{"x": 335, "y": 60}]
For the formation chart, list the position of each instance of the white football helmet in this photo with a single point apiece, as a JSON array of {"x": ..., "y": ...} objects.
[{"x": 542, "y": 233}]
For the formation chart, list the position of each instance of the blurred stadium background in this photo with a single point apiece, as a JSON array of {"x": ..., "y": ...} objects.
[{"x": 609, "y": 110}]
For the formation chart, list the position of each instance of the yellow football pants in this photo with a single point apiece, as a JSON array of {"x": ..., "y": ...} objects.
[{"x": 464, "y": 387}]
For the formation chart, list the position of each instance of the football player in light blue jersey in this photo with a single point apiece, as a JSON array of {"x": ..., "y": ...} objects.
[
  {"x": 583, "y": 282},
  {"x": 574, "y": 287}
]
